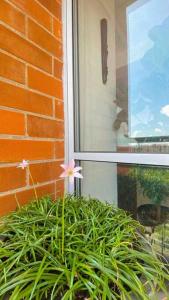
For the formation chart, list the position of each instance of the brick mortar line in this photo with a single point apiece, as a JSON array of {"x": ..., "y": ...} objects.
[
  {"x": 44, "y": 50},
  {"x": 6, "y": 108},
  {"x": 53, "y": 65},
  {"x": 13, "y": 137},
  {"x": 20, "y": 85},
  {"x": 43, "y": 94},
  {"x": 30, "y": 41},
  {"x": 61, "y": 61},
  {"x": 26, "y": 75},
  {"x": 28, "y": 187},
  {"x": 48, "y": 74},
  {"x": 25, "y": 36},
  {"x": 49, "y": 32},
  {"x": 12, "y": 29},
  {"x": 32, "y": 18},
  {"x": 52, "y": 23},
  {"x": 12, "y": 56},
  {"x": 39, "y": 70},
  {"x": 32, "y": 162},
  {"x": 49, "y": 12},
  {"x": 58, "y": 20},
  {"x": 29, "y": 64},
  {"x": 17, "y": 84},
  {"x": 52, "y": 118},
  {"x": 48, "y": 53}
]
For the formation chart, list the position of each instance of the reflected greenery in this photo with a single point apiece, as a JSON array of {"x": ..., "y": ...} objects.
[{"x": 153, "y": 181}]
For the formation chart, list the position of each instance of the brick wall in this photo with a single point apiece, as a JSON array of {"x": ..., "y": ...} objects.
[{"x": 31, "y": 99}]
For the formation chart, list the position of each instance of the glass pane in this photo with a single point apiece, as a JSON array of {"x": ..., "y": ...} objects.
[
  {"x": 142, "y": 191},
  {"x": 123, "y": 78}
]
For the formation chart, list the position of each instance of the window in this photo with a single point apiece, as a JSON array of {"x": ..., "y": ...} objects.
[
  {"x": 118, "y": 104},
  {"x": 130, "y": 109}
]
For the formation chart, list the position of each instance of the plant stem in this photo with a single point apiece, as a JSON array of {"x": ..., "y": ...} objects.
[
  {"x": 17, "y": 201},
  {"x": 35, "y": 192},
  {"x": 63, "y": 225}
]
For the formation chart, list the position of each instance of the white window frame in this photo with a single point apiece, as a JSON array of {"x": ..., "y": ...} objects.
[{"x": 126, "y": 158}]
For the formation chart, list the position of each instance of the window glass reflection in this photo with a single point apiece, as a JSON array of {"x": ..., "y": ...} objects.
[
  {"x": 123, "y": 77},
  {"x": 142, "y": 191},
  {"x": 148, "y": 77}
]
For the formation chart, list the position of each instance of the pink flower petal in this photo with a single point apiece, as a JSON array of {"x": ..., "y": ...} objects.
[
  {"x": 64, "y": 166},
  {"x": 78, "y": 175},
  {"x": 71, "y": 171},
  {"x": 64, "y": 174},
  {"x": 71, "y": 164},
  {"x": 77, "y": 169},
  {"x": 24, "y": 164}
]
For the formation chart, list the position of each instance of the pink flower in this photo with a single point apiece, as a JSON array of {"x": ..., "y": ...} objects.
[
  {"x": 24, "y": 164},
  {"x": 71, "y": 171}
]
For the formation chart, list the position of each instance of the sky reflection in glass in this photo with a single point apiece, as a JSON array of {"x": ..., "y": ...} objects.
[{"x": 148, "y": 72}]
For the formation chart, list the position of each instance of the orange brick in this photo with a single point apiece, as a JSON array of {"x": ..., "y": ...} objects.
[
  {"x": 32, "y": 8},
  {"x": 31, "y": 50},
  {"x": 59, "y": 109},
  {"x": 11, "y": 178},
  {"x": 44, "y": 39},
  {"x": 57, "y": 28},
  {"x": 59, "y": 149},
  {"x": 15, "y": 97},
  {"x": 17, "y": 150},
  {"x": 12, "y": 68},
  {"x": 13, "y": 43},
  {"x": 58, "y": 67},
  {"x": 59, "y": 188},
  {"x": 53, "y": 6},
  {"x": 40, "y": 127},
  {"x": 8, "y": 203},
  {"x": 45, "y": 172},
  {"x": 12, "y": 123},
  {"x": 44, "y": 83},
  {"x": 11, "y": 16},
  {"x": 29, "y": 195}
]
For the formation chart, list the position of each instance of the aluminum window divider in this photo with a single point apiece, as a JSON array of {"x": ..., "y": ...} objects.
[
  {"x": 128, "y": 158},
  {"x": 67, "y": 18}
]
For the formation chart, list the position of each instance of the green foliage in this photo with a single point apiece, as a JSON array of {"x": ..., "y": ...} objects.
[
  {"x": 153, "y": 181},
  {"x": 105, "y": 255}
]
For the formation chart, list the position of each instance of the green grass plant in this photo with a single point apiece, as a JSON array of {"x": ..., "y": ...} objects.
[{"x": 105, "y": 253}]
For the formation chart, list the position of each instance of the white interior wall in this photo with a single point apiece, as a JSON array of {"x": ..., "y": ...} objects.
[{"x": 97, "y": 111}]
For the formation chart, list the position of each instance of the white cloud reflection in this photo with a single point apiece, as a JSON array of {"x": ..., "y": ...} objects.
[
  {"x": 158, "y": 130},
  {"x": 165, "y": 110}
]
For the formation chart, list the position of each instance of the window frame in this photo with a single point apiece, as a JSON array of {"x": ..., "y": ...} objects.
[{"x": 155, "y": 159}]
